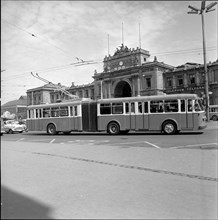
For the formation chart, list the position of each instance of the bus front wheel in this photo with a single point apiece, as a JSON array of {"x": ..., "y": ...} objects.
[
  {"x": 113, "y": 128},
  {"x": 51, "y": 129},
  {"x": 169, "y": 127}
]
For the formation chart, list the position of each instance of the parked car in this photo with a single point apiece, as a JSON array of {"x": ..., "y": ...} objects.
[
  {"x": 2, "y": 127},
  {"x": 12, "y": 126},
  {"x": 213, "y": 112}
]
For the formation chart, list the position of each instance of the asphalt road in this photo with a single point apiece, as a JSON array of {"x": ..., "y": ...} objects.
[
  {"x": 135, "y": 176},
  {"x": 206, "y": 139}
]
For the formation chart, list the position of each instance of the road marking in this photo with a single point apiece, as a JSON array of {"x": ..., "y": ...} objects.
[
  {"x": 40, "y": 140},
  {"x": 20, "y": 139},
  {"x": 152, "y": 144},
  {"x": 128, "y": 142},
  {"x": 51, "y": 141},
  {"x": 146, "y": 169},
  {"x": 193, "y": 145}
]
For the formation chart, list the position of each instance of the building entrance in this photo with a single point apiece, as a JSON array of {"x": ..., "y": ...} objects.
[{"x": 122, "y": 89}]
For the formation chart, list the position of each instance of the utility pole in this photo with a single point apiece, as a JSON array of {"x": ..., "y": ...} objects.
[{"x": 204, "y": 9}]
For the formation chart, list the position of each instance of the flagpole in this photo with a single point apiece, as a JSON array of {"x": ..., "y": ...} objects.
[
  {"x": 122, "y": 35},
  {"x": 108, "y": 44},
  {"x": 139, "y": 37}
]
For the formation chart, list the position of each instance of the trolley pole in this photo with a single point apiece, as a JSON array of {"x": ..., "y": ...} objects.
[{"x": 201, "y": 11}]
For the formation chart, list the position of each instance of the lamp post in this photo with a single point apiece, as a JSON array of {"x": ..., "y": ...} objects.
[{"x": 204, "y": 9}]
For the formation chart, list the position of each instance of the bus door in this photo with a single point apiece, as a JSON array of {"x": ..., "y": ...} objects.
[
  {"x": 89, "y": 116},
  {"x": 145, "y": 116},
  {"x": 186, "y": 114},
  {"x": 142, "y": 116},
  {"x": 131, "y": 117}
]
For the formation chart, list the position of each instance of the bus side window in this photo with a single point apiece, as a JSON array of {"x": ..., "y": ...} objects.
[
  {"x": 127, "y": 108},
  {"x": 40, "y": 113},
  {"x": 32, "y": 113},
  {"x": 132, "y": 107},
  {"x": 117, "y": 108},
  {"x": 37, "y": 114},
  {"x": 156, "y": 106},
  {"x": 46, "y": 112},
  {"x": 182, "y": 105},
  {"x": 75, "y": 110},
  {"x": 71, "y": 110},
  {"x": 190, "y": 107},
  {"x": 55, "y": 112},
  {"x": 64, "y": 111},
  {"x": 145, "y": 107},
  {"x": 105, "y": 109},
  {"x": 139, "y": 107},
  {"x": 171, "y": 105}
]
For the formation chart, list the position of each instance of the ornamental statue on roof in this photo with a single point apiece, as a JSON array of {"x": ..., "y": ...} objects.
[{"x": 123, "y": 49}]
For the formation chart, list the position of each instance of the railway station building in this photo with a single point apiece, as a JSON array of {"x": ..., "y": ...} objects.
[{"x": 130, "y": 72}]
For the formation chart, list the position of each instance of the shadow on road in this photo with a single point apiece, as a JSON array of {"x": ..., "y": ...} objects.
[
  {"x": 17, "y": 206},
  {"x": 105, "y": 134}
]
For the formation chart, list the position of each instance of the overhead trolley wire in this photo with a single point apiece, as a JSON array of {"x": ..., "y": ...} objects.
[
  {"x": 43, "y": 39},
  {"x": 194, "y": 50},
  {"x": 83, "y": 62}
]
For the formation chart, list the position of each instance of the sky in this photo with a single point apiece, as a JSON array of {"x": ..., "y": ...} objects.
[{"x": 48, "y": 37}]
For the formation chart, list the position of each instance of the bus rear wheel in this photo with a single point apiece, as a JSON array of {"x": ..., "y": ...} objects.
[
  {"x": 169, "y": 127},
  {"x": 113, "y": 128},
  {"x": 51, "y": 129}
]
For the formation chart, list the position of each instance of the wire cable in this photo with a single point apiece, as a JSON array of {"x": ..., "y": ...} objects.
[{"x": 43, "y": 39}]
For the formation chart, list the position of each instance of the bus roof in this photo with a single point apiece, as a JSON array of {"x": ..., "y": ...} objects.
[
  {"x": 148, "y": 98},
  {"x": 137, "y": 98},
  {"x": 64, "y": 103}
]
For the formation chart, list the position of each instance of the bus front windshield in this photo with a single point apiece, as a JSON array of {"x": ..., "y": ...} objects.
[{"x": 198, "y": 106}]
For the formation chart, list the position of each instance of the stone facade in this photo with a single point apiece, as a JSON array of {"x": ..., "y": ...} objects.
[
  {"x": 129, "y": 73},
  {"x": 190, "y": 78},
  {"x": 82, "y": 91},
  {"x": 45, "y": 94}
]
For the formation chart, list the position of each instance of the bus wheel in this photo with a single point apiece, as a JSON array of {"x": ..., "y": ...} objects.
[
  {"x": 10, "y": 132},
  {"x": 214, "y": 118},
  {"x": 51, "y": 129},
  {"x": 113, "y": 128},
  {"x": 169, "y": 127}
]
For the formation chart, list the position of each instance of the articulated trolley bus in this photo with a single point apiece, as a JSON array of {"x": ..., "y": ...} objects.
[{"x": 167, "y": 113}]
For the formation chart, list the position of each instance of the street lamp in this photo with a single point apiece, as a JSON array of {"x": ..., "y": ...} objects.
[{"x": 201, "y": 11}]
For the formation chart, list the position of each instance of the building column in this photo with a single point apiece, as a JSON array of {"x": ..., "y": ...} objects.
[
  {"x": 109, "y": 88},
  {"x": 138, "y": 86},
  {"x": 174, "y": 81},
  {"x": 185, "y": 80},
  {"x": 133, "y": 86}
]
